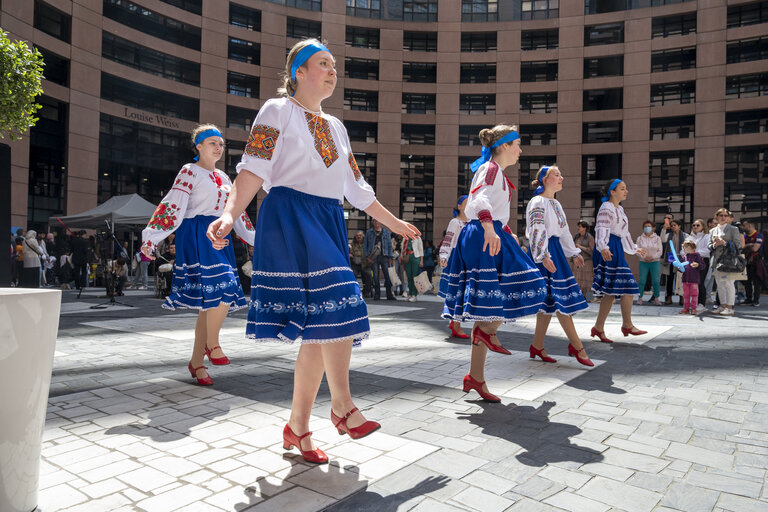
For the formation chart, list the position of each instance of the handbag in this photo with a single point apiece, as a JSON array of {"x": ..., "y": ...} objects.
[
  {"x": 423, "y": 285},
  {"x": 406, "y": 258},
  {"x": 247, "y": 268},
  {"x": 731, "y": 261},
  {"x": 393, "y": 277}
]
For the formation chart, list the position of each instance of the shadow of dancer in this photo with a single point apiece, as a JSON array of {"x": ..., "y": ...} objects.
[
  {"x": 165, "y": 426},
  {"x": 371, "y": 501},
  {"x": 543, "y": 440}
]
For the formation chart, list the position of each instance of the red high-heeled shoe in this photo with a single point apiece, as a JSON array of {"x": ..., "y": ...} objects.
[
  {"x": 536, "y": 352},
  {"x": 477, "y": 332},
  {"x": 575, "y": 353},
  {"x": 634, "y": 331},
  {"x": 470, "y": 384},
  {"x": 290, "y": 440},
  {"x": 354, "y": 432},
  {"x": 205, "y": 381},
  {"x": 600, "y": 335},
  {"x": 457, "y": 334},
  {"x": 218, "y": 361}
]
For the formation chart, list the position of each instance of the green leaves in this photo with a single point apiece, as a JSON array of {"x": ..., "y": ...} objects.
[{"x": 21, "y": 71}]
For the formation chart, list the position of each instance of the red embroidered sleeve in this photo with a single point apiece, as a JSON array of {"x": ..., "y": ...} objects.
[
  {"x": 490, "y": 174},
  {"x": 484, "y": 216},
  {"x": 507, "y": 229},
  {"x": 262, "y": 141}
]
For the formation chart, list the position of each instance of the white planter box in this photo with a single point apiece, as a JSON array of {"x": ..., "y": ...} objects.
[{"x": 29, "y": 322}]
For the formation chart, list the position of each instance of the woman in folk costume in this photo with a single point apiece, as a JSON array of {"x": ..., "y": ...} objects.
[
  {"x": 613, "y": 276},
  {"x": 303, "y": 288},
  {"x": 489, "y": 279},
  {"x": 551, "y": 246},
  {"x": 203, "y": 278},
  {"x": 458, "y": 221}
]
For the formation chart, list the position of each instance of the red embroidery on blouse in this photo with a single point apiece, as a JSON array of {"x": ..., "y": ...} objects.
[
  {"x": 490, "y": 174},
  {"x": 484, "y": 216},
  {"x": 355, "y": 168},
  {"x": 321, "y": 131},
  {"x": 262, "y": 141},
  {"x": 164, "y": 217},
  {"x": 247, "y": 221}
]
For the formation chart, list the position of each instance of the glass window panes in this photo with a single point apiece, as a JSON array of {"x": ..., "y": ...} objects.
[
  {"x": 674, "y": 93},
  {"x": 364, "y": 8},
  {"x": 603, "y": 99},
  {"x": 240, "y": 118},
  {"x": 538, "y": 135},
  {"x": 364, "y": 69},
  {"x": 539, "y": 9},
  {"x": 479, "y": 104},
  {"x": 355, "y": 99},
  {"x": 604, "y": 66},
  {"x": 418, "y": 103},
  {"x": 668, "y": 128},
  {"x": 52, "y": 21},
  {"x": 478, "y": 73},
  {"x": 601, "y": 132},
  {"x": 361, "y": 37},
  {"x": 538, "y": 71},
  {"x": 148, "y": 60},
  {"x": 242, "y": 85},
  {"x": 142, "y": 97},
  {"x": 244, "y": 51},
  {"x": 538, "y": 102},
  {"x": 479, "y": 10},
  {"x": 676, "y": 25},
  {"x": 478, "y": 41},
  {"x": 244, "y": 17},
  {"x": 423, "y": 72},
  {"x": 360, "y": 131},
  {"x": 746, "y": 121},
  {"x": 420, "y": 41},
  {"x": 546, "y": 39},
  {"x": 423, "y": 134},
  {"x": 298, "y": 28},
  {"x": 417, "y": 187},
  {"x": 152, "y": 23},
  {"x": 674, "y": 59},
  {"x": 606, "y": 33},
  {"x": 420, "y": 10}
]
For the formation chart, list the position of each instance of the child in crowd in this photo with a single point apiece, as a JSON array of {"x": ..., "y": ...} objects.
[{"x": 691, "y": 277}]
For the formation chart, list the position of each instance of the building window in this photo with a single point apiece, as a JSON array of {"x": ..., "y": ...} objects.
[
  {"x": 142, "y": 97},
  {"x": 644, "y": 4},
  {"x": 746, "y": 121},
  {"x": 56, "y": 68},
  {"x": 420, "y": 10},
  {"x": 357, "y": 220},
  {"x": 360, "y": 131},
  {"x": 52, "y": 21},
  {"x": 479, "y": 10},
  {"x": 478, "y": 42},
  {"x": 746, "y": 86},
  {"x": 302, "y": 29},
  {"x": 469, "y": 134},
  {"x": 244, "y": 51},
  {"x": 547, "y": 39},
  {"x": 539, "y": 9},
  {"x": 477, "y": 104},
  {"x": 240, "y": 118},
  {"x": 529, "y": 169},
  {"x": 603, "y": 99},
  {"x": 420, "y": 41},
  {"x": 670, "y": 185},
  {"x": 193, "y": 6},
  {"x": 364, "y": 8},
  {"x": 538, "y": 103},
  {"x": 418, "y": 103},
  {"x": 360, "y": 37},
  {"x": 670, "y": 128},
  {"x": 607, "y": 33},
  {"x": 747, "y": 14},
  {"x": 417, "y": 187},
  {"x": 242, "y": 85},
  {"x": 677, "y": 25},
  {"x": 153, "y": 24},
  {"x": 355, "y": 99},
  {"x": 675, "y": 93},
  {"x": 602, "y": 6},
  {"x": 747, "y": 50},
  {"x": 47, "y": 163},
  {"x": 538, "y": 135},
  {"x": 746, "y": 182},
  {"x": 309, "y": 5},
  {"x": 600, "y": 132},
  {"x": 604, "y": 66},
  {"x": 596, "y": 171},
  {"x": 245, "y": 17},
  {"x": 478, "y": 73},
  {"x": 364, "y": 69},
  {"x": 145, "y": 59},
  {"x": 423, "y": 72},
  {"x": 538, "y": 71},
  {"x": 421, "y": 134},
  {"x": 465, "y": 174},
  {"x": 677, "y": 58}
]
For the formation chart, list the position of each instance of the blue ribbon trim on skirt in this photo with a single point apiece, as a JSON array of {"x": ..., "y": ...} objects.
[
  {"x": 613, "y": 277},
  {"x": 563, "y": 292}
]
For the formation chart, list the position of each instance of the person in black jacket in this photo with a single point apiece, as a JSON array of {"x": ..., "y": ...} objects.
[{"x": 80, "y": 259}]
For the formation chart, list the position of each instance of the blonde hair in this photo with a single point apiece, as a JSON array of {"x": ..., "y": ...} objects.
[
  {"x": 723, "y": 210},
  {"x": 200, "y": 129},
  {"x": 535, "y": 183},
  {"x": 489, "y": 136},
  {"x": 289, "y": 88},
  {"x": 704, "y": 227}
]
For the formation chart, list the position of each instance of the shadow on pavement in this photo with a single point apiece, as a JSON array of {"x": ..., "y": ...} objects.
[
  {"x": 371, "y": 501},
  {"x": 163, "y": 429}
]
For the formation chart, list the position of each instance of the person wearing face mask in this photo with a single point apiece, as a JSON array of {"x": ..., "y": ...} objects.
[
  {"x": 700, "y": 235},
  {"x": 613, "y": 276},
  {"x": 674, "y": 284},
  {"x": 722, "y": 238},
  {"x": 650, "y": 264}
]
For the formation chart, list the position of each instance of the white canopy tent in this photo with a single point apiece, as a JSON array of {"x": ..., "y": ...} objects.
[{"x": 131, "y": 210}]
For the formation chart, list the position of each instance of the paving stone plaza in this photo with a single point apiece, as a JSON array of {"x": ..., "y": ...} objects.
[{"x": 675, "y": 420}]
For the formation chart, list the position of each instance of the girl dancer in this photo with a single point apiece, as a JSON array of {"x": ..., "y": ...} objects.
[
  {"x": 458, "y": 221},
  {"x": 551, "y": 244},
  {"x": 303, "y": 288},
  {"x": 203, "y": 279},
  {"x": 489, "y": 279},
  {"x": 612, "y": 274}
]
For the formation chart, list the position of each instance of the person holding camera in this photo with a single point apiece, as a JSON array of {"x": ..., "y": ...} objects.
[{"x": 725, "y": 242}]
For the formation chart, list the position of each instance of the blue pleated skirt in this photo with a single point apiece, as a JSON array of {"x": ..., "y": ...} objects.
[
  {"x": 563, "y": 292},
  {"x": 613, "y": 277},
  {"x": 203, "y": 277},
  {"x": 302, "y": 287},
  {"x": 478, "y": 287}
]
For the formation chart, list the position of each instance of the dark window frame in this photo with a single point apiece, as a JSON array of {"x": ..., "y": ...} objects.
[
  {"x": 52, "y": 21},
  {"x": 609, "y": 65},
  {"x": 601, "y": 132},
  {"x": 604, "y": 33},
  {"x": 603, "y": 99},
  {"x": 244, "y": 17},
  {"x": 361, "y": 69},
  {"x": 359, "y": 99},
  {"x": 544, "y": 39},
  {"x": 538, "y": 71},
  {"x": 479, "y": 10},
  {"x": 300, "y": 28},
  {"x": 420, "y": 72},
  {"x": 417, "y": 134},
  {"x": 418, "y": 103},
  {"x": 673, "y": 59},
  {"x": 674, "y": 25},
  {"x": 538, "y": 102},
  {"x": 419, "y": 41},
  {"x": 479, "y": 42},
  {"x": 152, "y": 23},
  {"x": 679, "y": 93},
  {"x": 477, "y": 104},
  {"x": 477, "y": 73},
  {"x": 672, "y": 128},
  {"x": 149, "y": 60},
  {"x": 240, "y": 84},
  {"x": 242, "y": 50},
  {"x": 354, "y": 35}
]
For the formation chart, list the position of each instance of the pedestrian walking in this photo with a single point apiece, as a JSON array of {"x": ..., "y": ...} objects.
[
  {"x": 650, "y": 264},
  {"x": 489, "y": 279},
  {"x": 450, "y": 239},
  {"x": 203, "y": 278},
  {"x": 613, "y": 276},
  {"x": 551, "y": 247},
  {"x": 303, "y": 288}
]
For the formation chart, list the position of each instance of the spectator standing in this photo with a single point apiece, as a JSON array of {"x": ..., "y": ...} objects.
[
  {"x": 32, "y": 255},
  {"x": 585, "y": 242},
  {"x": 700, "y": 235},
  {"x": 428, "y": 263},
  {"x": 650, "y": 264},
  {"x": 756, "y": 274},
  {"x": 412, "y": 254},
  {"x": 721, "y": 238},
  {"x": 691, "y": 276},
  {"x": 359, "y": 263},
  {"x": 377, "y": 248},
  {"x": 677, "y": 237}
]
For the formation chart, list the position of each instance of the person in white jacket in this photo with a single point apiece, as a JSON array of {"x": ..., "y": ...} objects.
[{"x": 32, "y": 254}]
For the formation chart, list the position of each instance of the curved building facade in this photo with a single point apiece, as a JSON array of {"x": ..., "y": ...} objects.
[{"x": 671, "y": 96}]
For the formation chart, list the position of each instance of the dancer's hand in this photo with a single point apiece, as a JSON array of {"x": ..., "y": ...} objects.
[
  {"x": 147, "y": 251},
  {"x": 443, "y": 263},
  {"x": 606, "y": 253},
  {"x": 549, "y": 265},
  {"x": 578, "y": 261},
  {"x": 218, "y": 230},
  {"x": 492, "y": 240},
  {"x": 406, "y": 230}
]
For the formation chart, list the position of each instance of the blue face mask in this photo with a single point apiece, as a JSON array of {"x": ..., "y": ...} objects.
[{"x": 648, "y": 230}]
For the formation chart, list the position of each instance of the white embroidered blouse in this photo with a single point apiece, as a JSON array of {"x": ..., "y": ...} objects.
[
  {"x": 545, "y": 218},
  {"x": 451, "y": 237},
  {"x": 490, "y": 195},
  {"x": 195, "y": 191},
  {"x": 612, "y": 220},
  {"x": 291, "y": 147}
]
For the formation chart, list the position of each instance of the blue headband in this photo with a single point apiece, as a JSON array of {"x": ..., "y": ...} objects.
[
  {"x": 461, "y": 200},
  {"x": 540, "y": 178},
  {"x": 485, "y": 153},
  {"x": 304, "y": 55},
  {"x": 210, "y": 132},
  {"x": 614, "y": 184}
]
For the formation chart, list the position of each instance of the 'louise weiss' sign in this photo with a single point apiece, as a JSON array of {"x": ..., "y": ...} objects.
[{"x": 156, "y": 119}]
